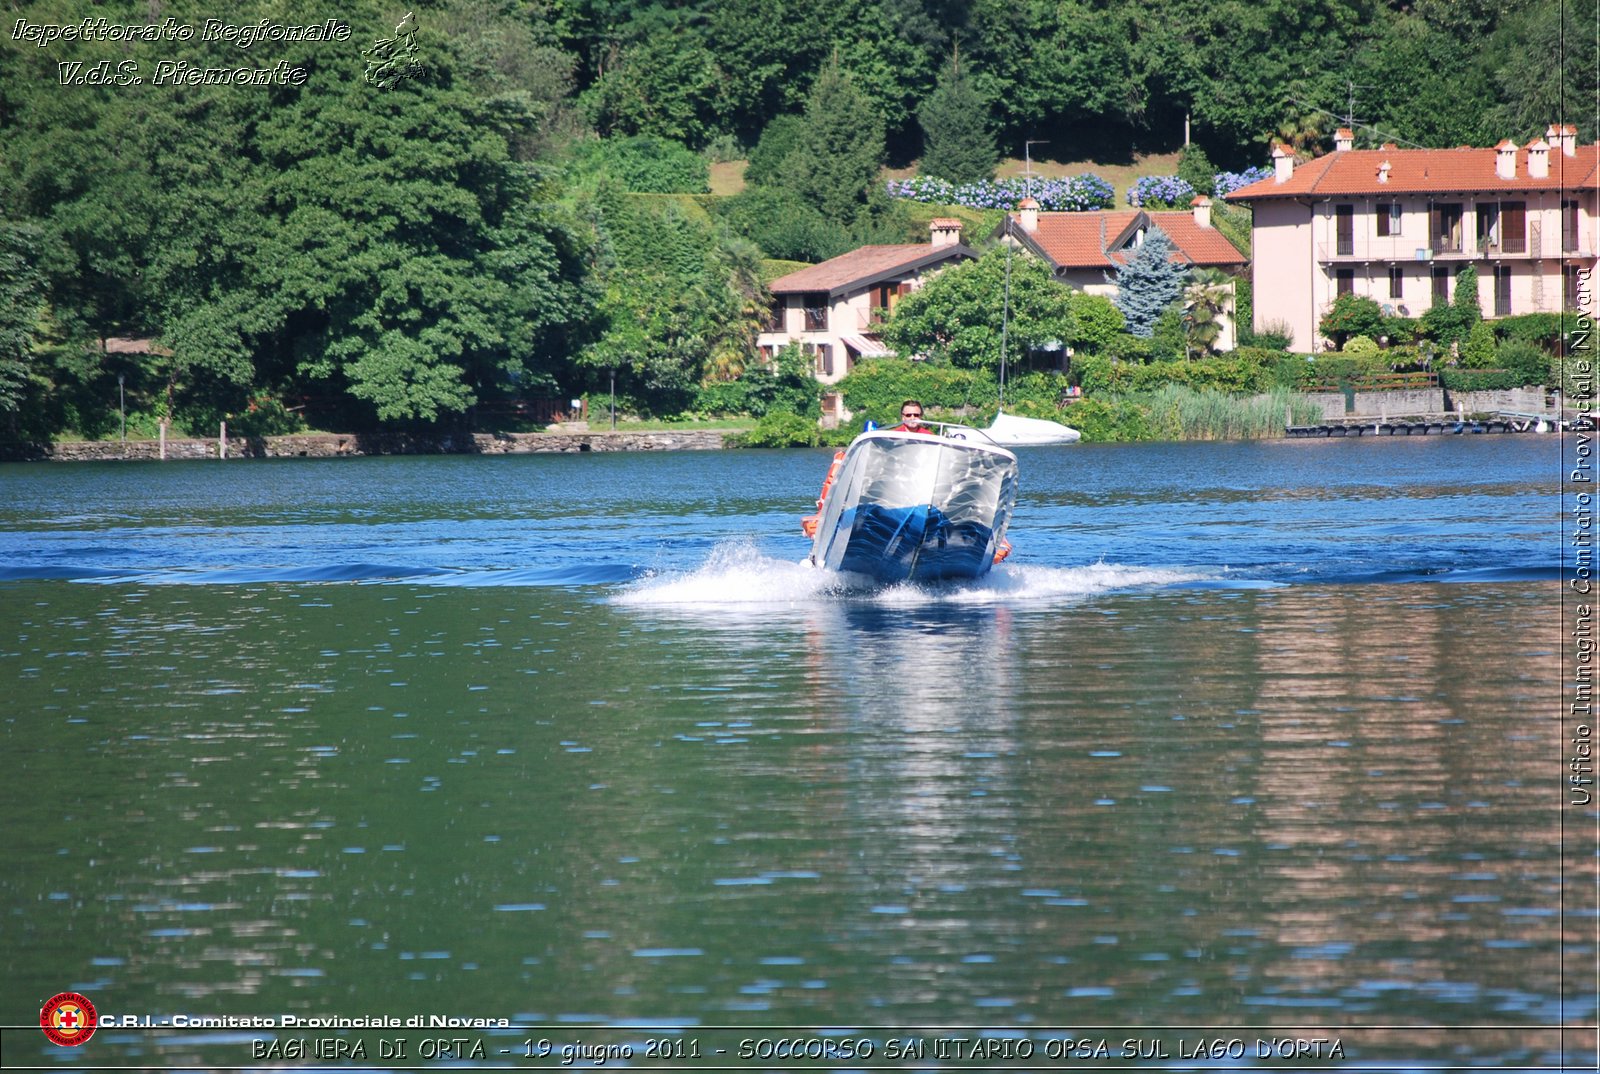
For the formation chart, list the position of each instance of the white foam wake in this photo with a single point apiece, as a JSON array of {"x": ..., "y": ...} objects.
[{"x": 735, "y": 573}]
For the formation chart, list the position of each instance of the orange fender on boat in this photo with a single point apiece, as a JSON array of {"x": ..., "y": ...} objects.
[
  {"x": 1002, "y": 550},
  {"x": 809, "y": 524}
]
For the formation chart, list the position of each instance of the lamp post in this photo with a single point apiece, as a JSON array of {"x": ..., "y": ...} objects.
[
  {"x": 122, "y": 410},
  {"x": 613, "y": 398}
]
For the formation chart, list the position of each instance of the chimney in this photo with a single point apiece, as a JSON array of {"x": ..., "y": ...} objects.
[
  {"x": 1538, "y": 159},
  {"x": 1569, "y": 140},
  {"x": 1282, "y": 164},
  {"x": 1505, "y": 159},
  {"x": 1383, "y": 172},
  {"x": 1202, "y": 210},
  {"x": 1028, "y": 214},
  {"x": 944, "y": 231},
  {"x": 1344, "y": 138}
]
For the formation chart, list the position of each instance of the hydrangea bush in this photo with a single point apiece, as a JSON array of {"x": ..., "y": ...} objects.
[
  {"x": 1160, "y": 192},
  {"x": 1078, "y": 193},
  {"x": 1228, "y": 182}
]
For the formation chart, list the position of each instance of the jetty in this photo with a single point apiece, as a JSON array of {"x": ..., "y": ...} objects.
[{"x": 1438, "y": 425}]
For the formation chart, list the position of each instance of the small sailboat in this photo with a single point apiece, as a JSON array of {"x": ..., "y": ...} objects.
[
  {"x": 1011, "y": 430},
  {"x": 915, "y": 506}
]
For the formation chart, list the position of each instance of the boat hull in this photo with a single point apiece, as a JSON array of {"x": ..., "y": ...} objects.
[
  {"x": 915, "y": 507},
  {"x": 1011, "y": 430}
]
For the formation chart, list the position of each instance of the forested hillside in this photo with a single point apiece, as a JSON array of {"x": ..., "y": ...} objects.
[{"x": 320, "y": 213}]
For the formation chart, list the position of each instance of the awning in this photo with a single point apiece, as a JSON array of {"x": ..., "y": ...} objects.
[{"x": 866, "y": 347}]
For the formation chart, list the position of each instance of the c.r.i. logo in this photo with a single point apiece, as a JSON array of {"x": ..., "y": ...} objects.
[{"x": 68, "y": 1019}]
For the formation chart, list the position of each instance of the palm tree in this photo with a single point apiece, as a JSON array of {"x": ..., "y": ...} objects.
[{"x": 1207, "y": 302}]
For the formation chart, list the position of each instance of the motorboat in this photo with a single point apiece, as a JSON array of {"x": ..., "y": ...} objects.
[
  {"x": 915, "y": 506},
  {"x": 1011, "y": 430}
]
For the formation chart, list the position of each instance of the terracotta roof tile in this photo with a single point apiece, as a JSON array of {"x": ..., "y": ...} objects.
[
  {"x": 1079, "y": 240},
  {"x": 864, "y": 265},
  {"x": 1422, "y": 171}
]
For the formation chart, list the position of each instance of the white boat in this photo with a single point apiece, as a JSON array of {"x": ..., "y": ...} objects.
[
  {"x": 1010, "y": 430},
  {"x": 903, "y": 506}
]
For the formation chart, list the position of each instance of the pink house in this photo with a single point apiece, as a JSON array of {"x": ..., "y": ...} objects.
[
  {"x": 1084, "y": 248},
  {"x": 1398, "y": 224}
]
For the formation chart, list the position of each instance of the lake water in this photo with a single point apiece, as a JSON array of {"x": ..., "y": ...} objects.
[{"x": 1247, "y": 743}]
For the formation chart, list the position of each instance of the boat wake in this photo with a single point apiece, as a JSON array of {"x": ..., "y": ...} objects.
[{"x": 736, "y": 573}]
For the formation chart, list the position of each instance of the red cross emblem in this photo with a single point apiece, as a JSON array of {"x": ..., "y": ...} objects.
[{"x": 68, "y": 1019}]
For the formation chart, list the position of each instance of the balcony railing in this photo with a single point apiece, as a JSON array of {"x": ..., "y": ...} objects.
[{"x": 816, "y": 318}]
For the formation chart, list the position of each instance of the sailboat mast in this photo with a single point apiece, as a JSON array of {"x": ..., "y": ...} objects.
[{"x": 1005, "y": 324}]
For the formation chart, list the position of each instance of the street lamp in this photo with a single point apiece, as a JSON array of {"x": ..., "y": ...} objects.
[
  {"x": 613, "y": 399},
  {"x": 122, "y": 409}
]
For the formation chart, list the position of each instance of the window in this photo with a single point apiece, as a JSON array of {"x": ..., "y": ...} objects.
[
  {"x": 1388, "y": 219},
  {"x": 1445, "y": 229},
  {"x": 1502, "y": 290},
  {"x": 1344, "y": 220},
  {"x": 775, "y": 320},
  {"x": 825, "y": 359},
  {"x": 1574, "y": 288},
  {"x": 1569, "y": 226},
  {"x": 1441, "y": 285},
  {"x": 1488, "y": 226},
  {"x": 1514, "y": 227},
  {"x": 1345, "y": 281},
  {"x": 816, "y": 307},
  {"x": 1397, "y": 277}
]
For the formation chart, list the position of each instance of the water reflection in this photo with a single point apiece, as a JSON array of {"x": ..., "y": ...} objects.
[{"x": 1204, "y": 807}]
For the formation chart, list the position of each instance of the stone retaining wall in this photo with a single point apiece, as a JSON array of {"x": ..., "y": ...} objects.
[
  {"x": 329, "y": 446},
  {"x": 1516, "y": 400}
]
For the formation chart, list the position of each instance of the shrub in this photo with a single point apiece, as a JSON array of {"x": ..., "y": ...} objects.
[
  {"x": 1099, "y": 322},
  {"x": 1225, "y": 183},
  {"x": 1160, "y": 192},
  {"x": 1274, "y": 335},
  {"x": 1525, "y": 360},
  {"x": 1078, "y": 193},
  {"x": 777, "y": 141},
  {"x": 647, "y": 165},
  {"x": 1542, "y": 329},
  {"x": 1478, "y": 380},
  {"x": 1360, "y": 345},
  {"x": 779, "y": 431},
  {"x": 264, "y": 416},
  {"x": 1351, "y": 315},
  {"x": 1478, "y": 350}
]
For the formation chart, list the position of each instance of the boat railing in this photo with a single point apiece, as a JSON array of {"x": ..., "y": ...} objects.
[{"x": 953, "y": 430}]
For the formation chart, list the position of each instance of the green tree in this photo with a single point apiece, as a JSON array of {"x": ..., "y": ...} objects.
[
  {"x": 957, "y": 143},
  {"x": 1196, "y": 169},
  {"x": 778, "y": 140},
  {"x": 662, "y": 81},
  {"x": 1205, "y": 310},
  {"x": 959, "y": 315},
  {"x": 840, "y": 148},
  {"x": 1149, "y": 283},
  {"x": 22, "y": 308}
]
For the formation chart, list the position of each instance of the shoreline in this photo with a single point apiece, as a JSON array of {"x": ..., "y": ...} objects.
[{"x": 361, "y": 445}]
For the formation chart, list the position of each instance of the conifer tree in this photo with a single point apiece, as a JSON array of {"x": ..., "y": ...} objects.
[
  {"x": 1148, "y": 283},
  {"x": 840, "y": 147},
  {"x": 957, "y": 142}
]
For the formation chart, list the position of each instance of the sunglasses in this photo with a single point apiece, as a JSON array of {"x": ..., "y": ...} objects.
[{"x": 911, "y": 413}]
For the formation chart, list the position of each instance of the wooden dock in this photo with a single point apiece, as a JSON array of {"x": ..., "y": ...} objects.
[{"x": 1430, "y": 425}]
